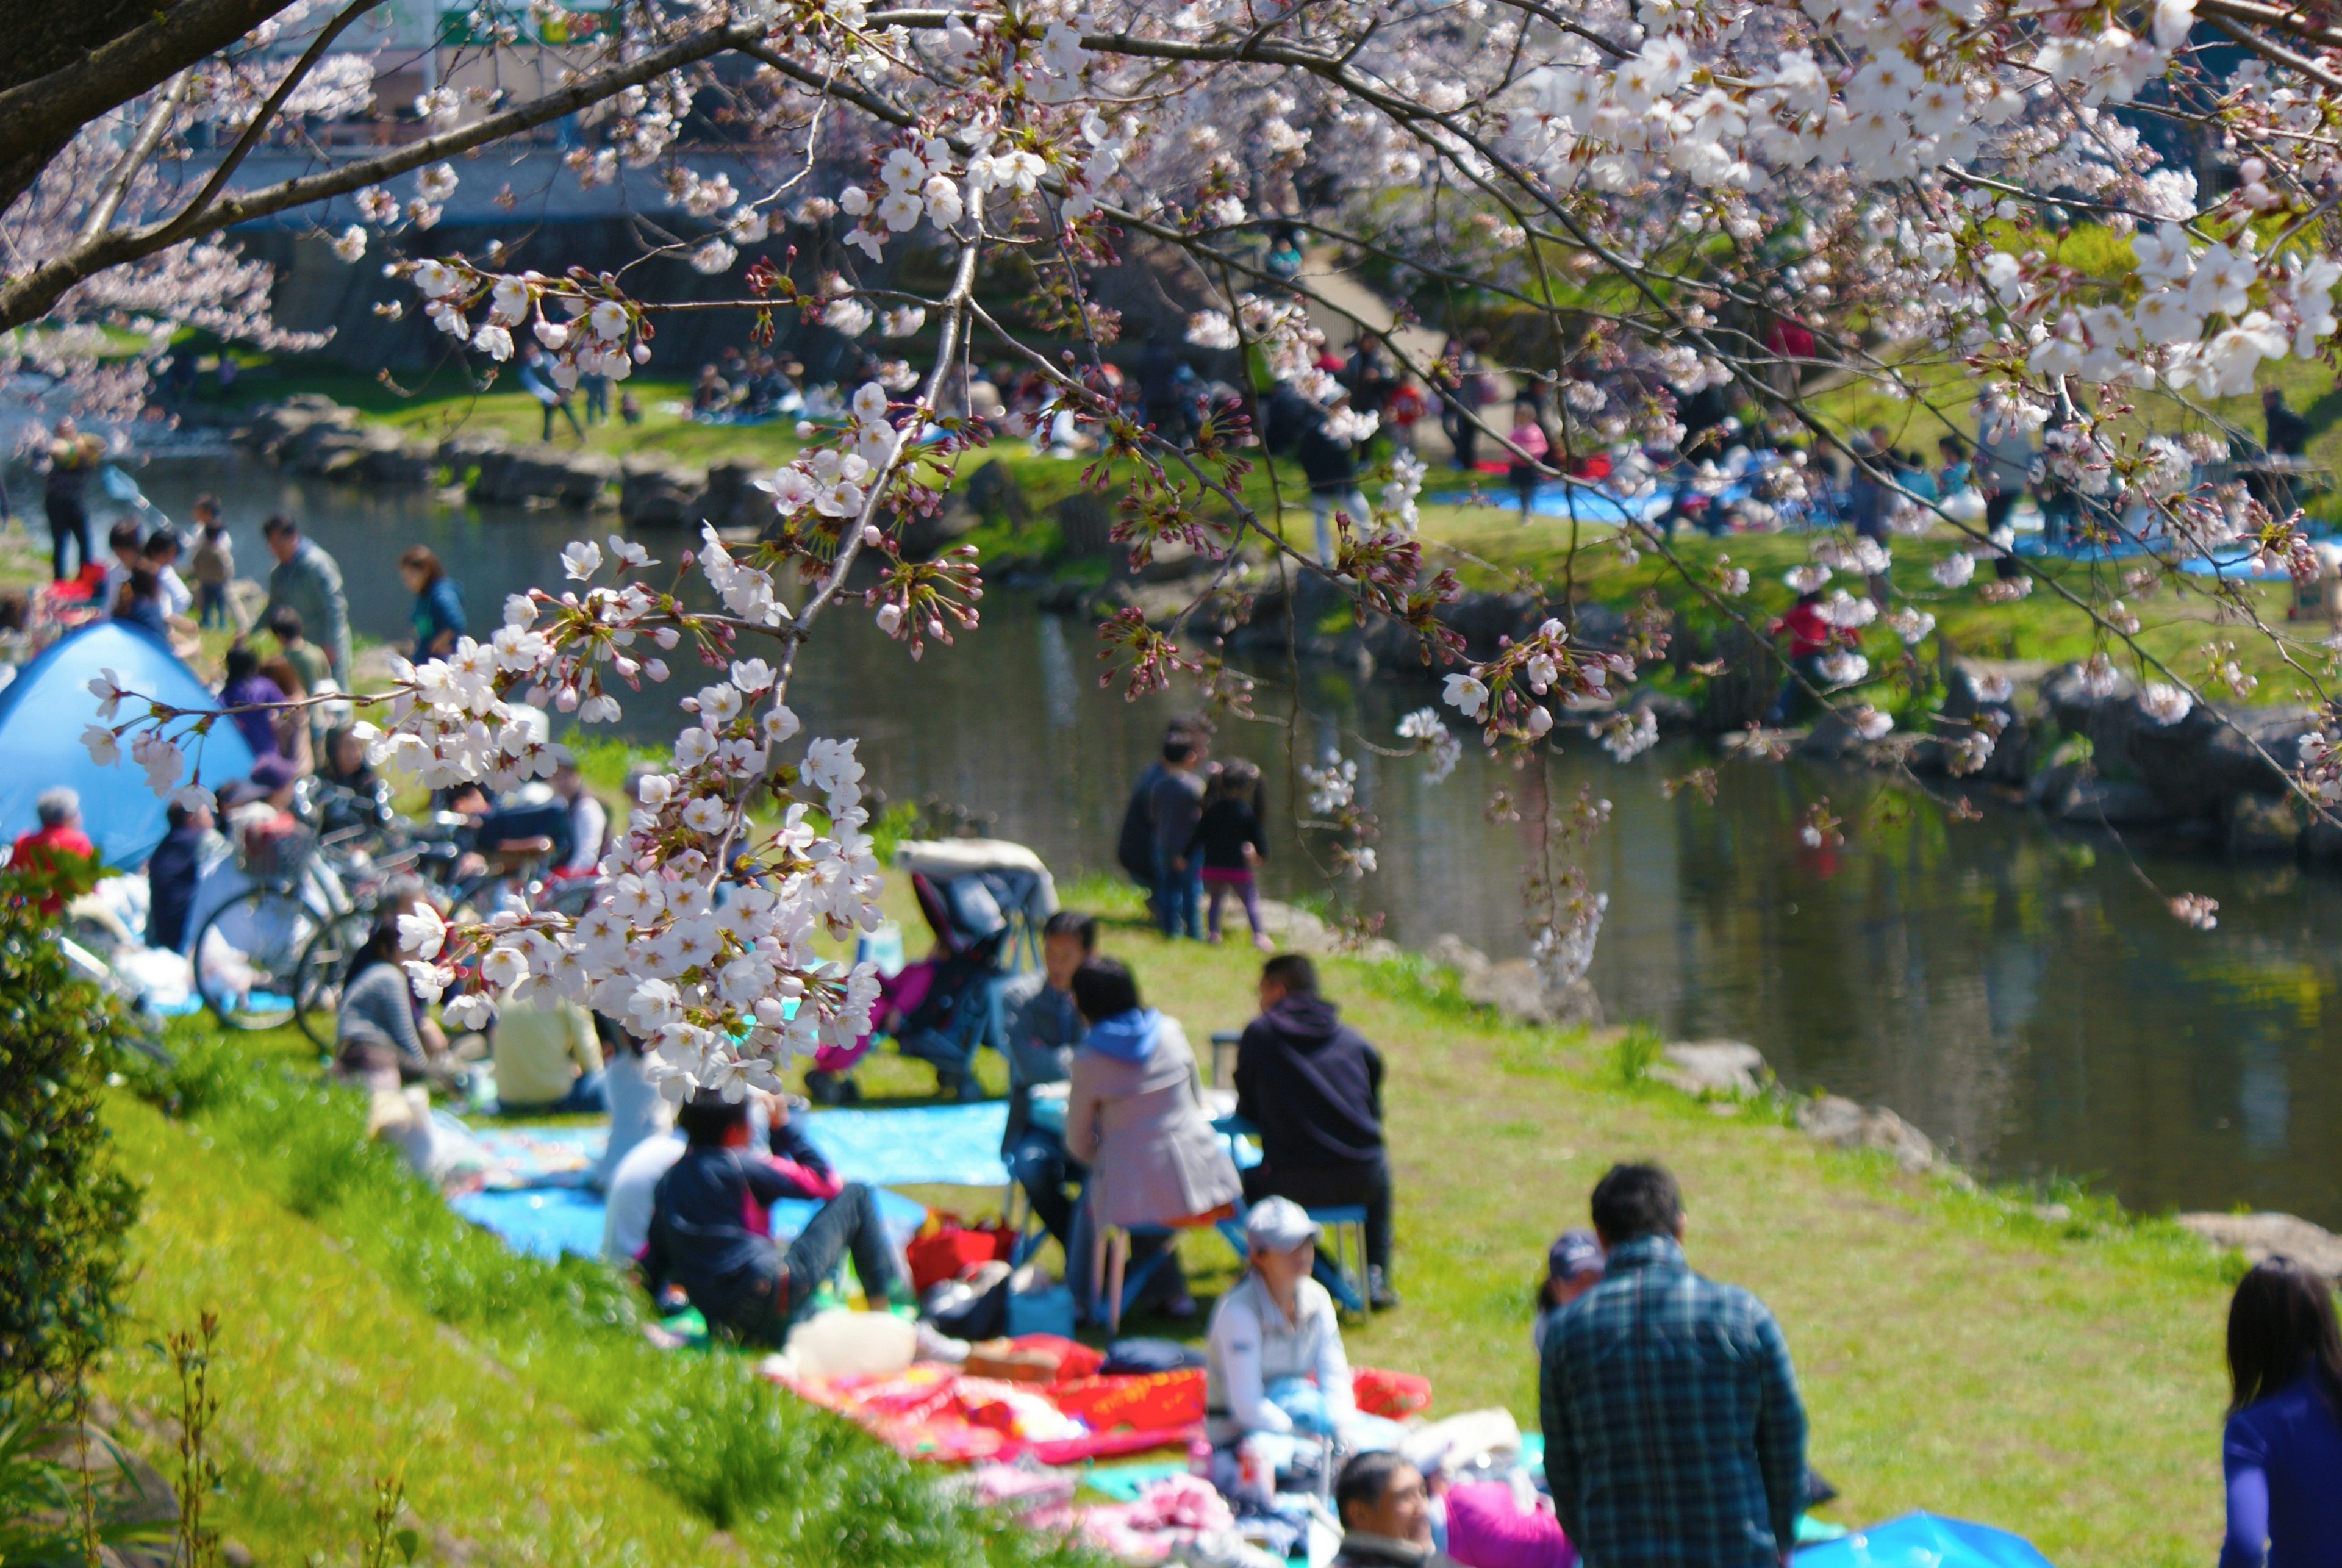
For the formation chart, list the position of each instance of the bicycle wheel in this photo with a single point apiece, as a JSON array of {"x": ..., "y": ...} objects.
[
  {"x": 247, "y": 953},
  {"x": 317, "y": 981}
]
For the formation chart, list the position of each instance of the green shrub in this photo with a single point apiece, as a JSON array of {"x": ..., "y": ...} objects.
[{"x": 64, "y": 1207}]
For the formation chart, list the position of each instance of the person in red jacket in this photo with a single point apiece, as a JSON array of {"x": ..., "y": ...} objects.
[
  {"x": 1810, "y": 637},
  {"x": 59, "y": 835}
]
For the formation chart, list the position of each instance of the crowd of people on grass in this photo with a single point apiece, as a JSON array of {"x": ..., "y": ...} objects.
[{"x": 1674, "y": 1429}]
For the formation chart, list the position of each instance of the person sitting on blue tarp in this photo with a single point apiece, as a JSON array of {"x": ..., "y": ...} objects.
[
  {"x": 711, "y": 1231},
  {"x": 172, "y": 872}
]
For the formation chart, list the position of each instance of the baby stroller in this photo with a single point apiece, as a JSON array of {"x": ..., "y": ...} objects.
[{"x": 985, "y": 900}]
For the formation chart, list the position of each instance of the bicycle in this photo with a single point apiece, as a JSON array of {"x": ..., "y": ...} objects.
[
  {"x": 259, "y": 949},
  {"x": 325, "y": 960},
  {"x": 248, "y": 949}
]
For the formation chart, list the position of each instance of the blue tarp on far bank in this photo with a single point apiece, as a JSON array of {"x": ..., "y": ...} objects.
[{"x": 44, "y": 709}]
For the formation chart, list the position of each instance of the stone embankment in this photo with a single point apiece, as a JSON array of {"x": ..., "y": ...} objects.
[
  {"x": 315, "y": 436},
  {"x": 2088, "y": 752}
]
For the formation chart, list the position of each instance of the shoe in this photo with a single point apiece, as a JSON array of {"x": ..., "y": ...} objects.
[
  {"x": 1261, "y": 942},
  {"x": 1379, "y": 1294}
]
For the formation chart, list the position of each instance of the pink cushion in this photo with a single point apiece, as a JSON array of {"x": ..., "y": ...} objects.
[{"x": 1487, "y": 1529}]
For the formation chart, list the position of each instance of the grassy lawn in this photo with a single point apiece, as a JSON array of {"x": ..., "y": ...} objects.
[
  {"x": 1960, "y": 1352},
  {"x": 1957, "y": 1354},
  {"x": 367, "y": 1331}
]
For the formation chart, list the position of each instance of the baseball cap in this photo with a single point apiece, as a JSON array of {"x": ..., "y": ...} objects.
[
  {"x": 1278, "y": 1225},
  {"x": 1573, "y": 1256}
]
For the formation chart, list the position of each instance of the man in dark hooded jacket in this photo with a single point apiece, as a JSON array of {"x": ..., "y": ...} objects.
[{"x": 1313, "y": 1087}]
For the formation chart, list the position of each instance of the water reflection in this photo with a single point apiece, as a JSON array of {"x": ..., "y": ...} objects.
[{"x": 2019, "y": 993}]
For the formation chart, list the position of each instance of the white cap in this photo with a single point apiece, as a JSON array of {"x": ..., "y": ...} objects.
[{"x": 1278, "y": 1225}]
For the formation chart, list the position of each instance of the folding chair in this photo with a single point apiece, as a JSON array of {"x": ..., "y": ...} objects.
[
  {"x": 1110, "y": 1261},
  {"x": 1224, "y": 1047},
  {"x": 1016, "y": 1213},
  {"x": 1340, "y": 1223}
]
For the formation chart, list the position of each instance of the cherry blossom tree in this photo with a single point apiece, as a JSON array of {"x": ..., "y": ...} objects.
[{"x": 1651, "y": 194}]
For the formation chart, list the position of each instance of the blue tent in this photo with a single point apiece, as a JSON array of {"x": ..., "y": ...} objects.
[
  {"x": 1925, "y": 1541},
  {"x": 44, "y": 709}
]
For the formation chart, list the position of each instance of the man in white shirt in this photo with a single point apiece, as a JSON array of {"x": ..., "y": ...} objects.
[{"x": 627, "y": 1218}]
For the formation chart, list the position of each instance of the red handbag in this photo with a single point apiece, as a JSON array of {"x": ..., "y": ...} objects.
[{"x": 948, "y": 1249}]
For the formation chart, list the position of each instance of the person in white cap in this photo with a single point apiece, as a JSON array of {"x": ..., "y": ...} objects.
[{"x": 1275, "y": 1324}]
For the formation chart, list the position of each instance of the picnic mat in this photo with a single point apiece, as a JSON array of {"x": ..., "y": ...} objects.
[
  {"x": 523, "y": 1156},
  {"x": 934, "y": 1412},
  {"x": 546, "y": 1222},
  {"x": 952, "y": 1145},
  {"x": 955, "y": 1146}
]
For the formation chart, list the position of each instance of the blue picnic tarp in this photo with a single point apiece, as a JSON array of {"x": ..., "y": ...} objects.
[
  {"x": 946, "y": 1145},
  {"x": 537, "y": 1201},
  {"x": 1925, "y": 1541},
  {"x": 951, "y": 1145},
  {"x": 546, "y": 1222},
  {"x": 44, "y": 709}
]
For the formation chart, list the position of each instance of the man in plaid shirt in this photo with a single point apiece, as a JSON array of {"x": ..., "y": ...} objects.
[{"x": 1673, "y": 1435}]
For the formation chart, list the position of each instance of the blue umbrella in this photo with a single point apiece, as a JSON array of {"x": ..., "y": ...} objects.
[{"x": 1925, "y": 1541}]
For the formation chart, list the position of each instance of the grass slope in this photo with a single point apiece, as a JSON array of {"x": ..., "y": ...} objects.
[{"x": 367, "y": 1331}]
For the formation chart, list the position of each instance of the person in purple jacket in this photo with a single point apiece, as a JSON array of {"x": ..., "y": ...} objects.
[{"x": 2282, "y": 1452}]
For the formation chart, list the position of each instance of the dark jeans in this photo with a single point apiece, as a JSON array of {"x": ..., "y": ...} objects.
[
  {"x": 1789, "y": 702},
  {"x": 588, "y": 1095},
  {"x": 846, "y": 1226},
  {"x": 1179, "y": 896},
  {"x": 1462, "y": 435},
  {"x": 564, "y": 407},
  {"x": 947, "y": 1052},
  {"x": 68, "y": 519},
  {"x": 1044, "y": 1169},
  {"x": 1996, "y": 509},
  {"x": 1334, "y": 1186},
  {"x": 211, "y": 604}
]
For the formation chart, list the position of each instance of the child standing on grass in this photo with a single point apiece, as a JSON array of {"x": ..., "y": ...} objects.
[
  {"x": 1530, "y": 448},
  {"x": 215, "y": 564},
  {"x": 1228, "y": 838}
]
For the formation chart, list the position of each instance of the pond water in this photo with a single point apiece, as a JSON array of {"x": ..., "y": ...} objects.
[{"x": 2016, "y": 991}]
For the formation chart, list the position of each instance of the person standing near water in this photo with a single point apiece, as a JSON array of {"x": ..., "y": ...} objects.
[
  {"x": 1177, "y": 803},
  {"x": 73, "y": 457},
  {"x": 1134, "y": 847},
  {"x": 214, "y": 563},
  {"x": 2282, "y": 1451},
  {"x": 310, "y": 581},
  {"x": 438, "y": 616}
]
